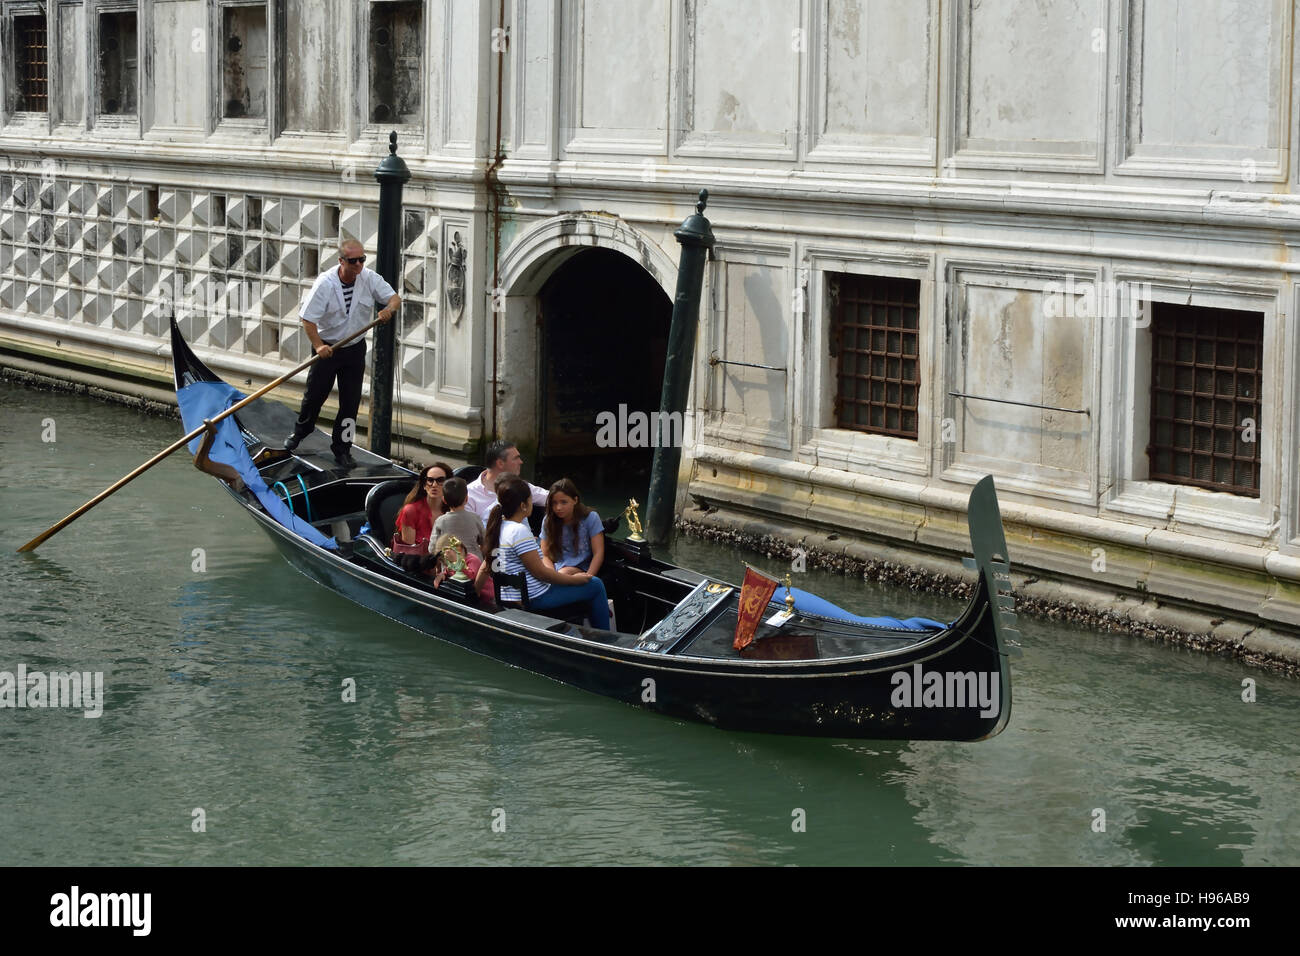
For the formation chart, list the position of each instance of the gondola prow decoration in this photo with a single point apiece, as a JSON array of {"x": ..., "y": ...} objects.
[
  {"x": 633, "y": 522},
  {"x": 37, "y": 541}
]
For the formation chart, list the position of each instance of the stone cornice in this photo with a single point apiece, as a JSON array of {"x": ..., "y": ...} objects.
[{"x": 792, "y": 193}]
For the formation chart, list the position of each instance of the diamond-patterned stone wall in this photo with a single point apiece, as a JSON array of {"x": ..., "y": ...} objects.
[{"x": 233, "y": 266}]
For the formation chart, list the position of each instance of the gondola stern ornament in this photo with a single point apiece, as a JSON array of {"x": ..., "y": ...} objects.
[{"x": 785, "y": 614}]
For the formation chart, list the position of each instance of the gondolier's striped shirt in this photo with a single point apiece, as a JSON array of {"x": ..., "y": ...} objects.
[
  {"x": 338, "y": 311},
  {"x": 516, "y": 539}
]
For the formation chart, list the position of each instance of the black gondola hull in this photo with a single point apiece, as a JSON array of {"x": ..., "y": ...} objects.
[
  {"x": 852, "y": 698},
  {"x": 952, "y": 684}
]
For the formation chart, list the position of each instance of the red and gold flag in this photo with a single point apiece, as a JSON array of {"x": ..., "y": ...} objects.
[{"x": 755, "y": 593}]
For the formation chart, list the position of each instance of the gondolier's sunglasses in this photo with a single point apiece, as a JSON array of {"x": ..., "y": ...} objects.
[{"x": 353, "y": 260}]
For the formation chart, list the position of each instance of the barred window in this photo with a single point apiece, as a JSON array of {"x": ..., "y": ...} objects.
[
  {"x": 31, "y": 62},
  {"x": 1206, "y": 370},
  {"x": 874, "y": 339}
]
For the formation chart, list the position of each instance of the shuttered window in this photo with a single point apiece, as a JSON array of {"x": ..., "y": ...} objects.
[
  {"x": 396, "y": 44},
  {"x": 118, "y": 66}
]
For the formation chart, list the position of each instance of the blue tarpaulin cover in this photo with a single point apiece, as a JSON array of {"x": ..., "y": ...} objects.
[
  {"x": 200, "y": 401},
  {"x": 812, "y": 604}
]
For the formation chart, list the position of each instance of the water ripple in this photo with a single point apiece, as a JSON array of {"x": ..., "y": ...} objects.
[{"x": 225, "y": 697}]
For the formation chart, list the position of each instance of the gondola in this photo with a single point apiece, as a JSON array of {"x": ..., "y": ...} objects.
[{"x": 821, "y": 672}]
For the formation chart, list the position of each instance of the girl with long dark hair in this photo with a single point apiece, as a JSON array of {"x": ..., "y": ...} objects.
[{"x": 573, "y": 538}]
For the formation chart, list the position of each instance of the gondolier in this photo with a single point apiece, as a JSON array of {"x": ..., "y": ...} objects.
[{"x": 340, "y": 304}]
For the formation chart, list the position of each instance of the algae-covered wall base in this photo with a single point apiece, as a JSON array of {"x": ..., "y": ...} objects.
[{"x": 1038, "y": 594}]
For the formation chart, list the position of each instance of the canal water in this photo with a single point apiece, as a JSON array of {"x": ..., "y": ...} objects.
[{"x": 225, "y": 738}]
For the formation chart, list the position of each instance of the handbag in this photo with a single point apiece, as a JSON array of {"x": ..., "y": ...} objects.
[{"x": 401, "y": 547}]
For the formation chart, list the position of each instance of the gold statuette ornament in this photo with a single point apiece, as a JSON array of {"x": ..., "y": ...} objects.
[
  {"x": 453, "y": 557},
  {"x": 633, "y": 522}
]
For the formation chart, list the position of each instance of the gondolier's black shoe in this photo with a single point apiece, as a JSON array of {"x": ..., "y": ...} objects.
[
  {"x": 345, "y": 459},
  {"x": 291, "y": 442}
]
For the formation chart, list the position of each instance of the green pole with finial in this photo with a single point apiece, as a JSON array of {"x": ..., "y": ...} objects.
[
  {"x": 392, "y": 175},
  {"x": 696, "y": 238}
]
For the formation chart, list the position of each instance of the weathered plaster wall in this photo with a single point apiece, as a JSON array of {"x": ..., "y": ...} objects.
[
  {"x": 315, "y": 51},
  {"x": 71, "y": 30},
  {"x": 177, "y": 67},
  {"x": 875, "y": 84}
]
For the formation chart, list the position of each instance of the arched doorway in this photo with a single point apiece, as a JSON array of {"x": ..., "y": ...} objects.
[{"x": 604, "y": 324}]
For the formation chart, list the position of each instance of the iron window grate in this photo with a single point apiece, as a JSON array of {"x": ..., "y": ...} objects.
[
  {"x": 875, "y": 340},
  {"x": 1206, "y": 375},
  {"x": 31, "y": 45}
]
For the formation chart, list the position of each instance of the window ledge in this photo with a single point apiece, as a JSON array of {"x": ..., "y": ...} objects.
[
  {"x": 735, "y": 428},
  {"x": 240, "y": 131},
  {"x": 28, "y": 120},
  {"x": 116, "y": 124},
  {"x": 1177, "y": 506},
  {"x": 864, "y": 452},
  {"x": 298, "y": 138},
  {"x": 1055, "y": 485},
  {"x": 407, "y": 133}
]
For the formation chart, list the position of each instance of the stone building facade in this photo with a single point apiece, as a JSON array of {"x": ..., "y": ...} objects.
[{"x": 1045, "y": 241}]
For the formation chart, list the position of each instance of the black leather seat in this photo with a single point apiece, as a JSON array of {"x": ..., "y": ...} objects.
[
  {"x": 383, "y": 502},
  {"x": 574, "y": 613}
]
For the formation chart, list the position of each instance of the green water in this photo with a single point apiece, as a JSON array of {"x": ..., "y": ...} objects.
[{"x": 224, "y": 693}]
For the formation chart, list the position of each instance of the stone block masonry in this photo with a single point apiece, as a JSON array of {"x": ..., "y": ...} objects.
[{"x": 232, "y": 266}]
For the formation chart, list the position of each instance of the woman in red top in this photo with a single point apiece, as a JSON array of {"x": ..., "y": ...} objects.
[{"x": 423, "y": 506}]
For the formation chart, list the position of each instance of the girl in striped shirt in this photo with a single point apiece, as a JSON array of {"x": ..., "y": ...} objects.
[{"x": 510, "y": 541}]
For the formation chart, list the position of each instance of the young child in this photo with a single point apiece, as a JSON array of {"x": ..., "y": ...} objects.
[
  {"x": 472, "y": 561},
  {"x": 459, "y": 520},
  {"x": 573, "y": 538}
]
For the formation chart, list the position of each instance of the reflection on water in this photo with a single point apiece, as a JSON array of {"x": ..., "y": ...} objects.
[{"x": 225, "y": 691}]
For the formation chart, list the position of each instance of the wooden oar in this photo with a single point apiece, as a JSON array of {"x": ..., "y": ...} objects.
[{"x": 36, "y": 542}]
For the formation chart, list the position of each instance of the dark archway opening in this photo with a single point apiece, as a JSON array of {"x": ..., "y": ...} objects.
[{"x": 604, "y": 342}]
